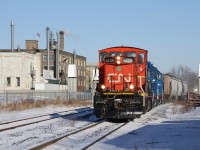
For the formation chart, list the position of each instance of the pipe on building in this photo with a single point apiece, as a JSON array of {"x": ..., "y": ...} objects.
[
  {"x": 52, "y": 35},
  {"x": 74, "y": 57},
  {"x": 58, "y": 56},
  {"x": 47, "y": 38},
  {"x": 12, "y": 35}
]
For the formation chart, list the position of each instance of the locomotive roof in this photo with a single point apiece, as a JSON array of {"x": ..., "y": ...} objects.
[{"x": 121, "y": 47}]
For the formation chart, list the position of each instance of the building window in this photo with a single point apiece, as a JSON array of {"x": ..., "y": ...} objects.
[
  {"x": 45, "y": 67},
  {"x": 18, "y": 81},
  {"x": 45, "y": 58},
  {"x": 52, "y": 57},
  {"x": 8, "y": 81},
  {"x": 51, "y": 67},
  {"x": 78, "y": 82}
]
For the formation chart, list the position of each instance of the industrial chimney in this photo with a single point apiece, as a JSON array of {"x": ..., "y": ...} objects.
[
  {"x": 61, "y": 40},
  {"x": 47, "y": 38},
  {"x": 12, "y": 35}
]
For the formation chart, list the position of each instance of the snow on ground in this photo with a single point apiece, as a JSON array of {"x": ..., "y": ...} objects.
[
  {"x": 158, "y": 129},
  {"x": 27, "y": 136},
  {"x": 162, "y": 128},
  {"x": 16, "y": 115}
]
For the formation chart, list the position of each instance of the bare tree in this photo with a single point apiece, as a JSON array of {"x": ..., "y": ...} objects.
[{"x": 186, "y": 74}]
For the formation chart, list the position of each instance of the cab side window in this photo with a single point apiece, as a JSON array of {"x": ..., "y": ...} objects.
[
  {"x": 140, "y": 58},
  {"x": 102, "y": 56}
]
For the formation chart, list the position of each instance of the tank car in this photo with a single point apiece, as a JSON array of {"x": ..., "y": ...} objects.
[
  {"x": 155, "y": 79},
  {"x": 122, "y": 91},
  {"x": 174, "y": 88}
]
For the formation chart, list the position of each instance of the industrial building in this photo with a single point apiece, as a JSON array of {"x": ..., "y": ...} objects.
[{"x": 37, "y": 69}]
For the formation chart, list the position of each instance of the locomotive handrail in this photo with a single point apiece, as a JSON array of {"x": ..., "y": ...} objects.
[{"x": 142, "y": 90}]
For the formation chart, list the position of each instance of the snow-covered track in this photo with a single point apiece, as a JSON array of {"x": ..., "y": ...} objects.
[
  {"x": 102, "y": 137},
  {"x": 48, "y": 143},
  {"x": 28, "y": 121}
]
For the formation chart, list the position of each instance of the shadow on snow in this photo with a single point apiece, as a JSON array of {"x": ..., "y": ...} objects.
[{"x": 182, "y": 135}]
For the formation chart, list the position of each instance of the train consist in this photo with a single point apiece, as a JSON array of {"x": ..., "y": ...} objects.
[{"x": 129, "y": 85}]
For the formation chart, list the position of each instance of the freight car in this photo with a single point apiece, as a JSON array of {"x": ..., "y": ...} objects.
[
  {"x": 174, "y": 88},
  {"x": 123, "y": 90}
]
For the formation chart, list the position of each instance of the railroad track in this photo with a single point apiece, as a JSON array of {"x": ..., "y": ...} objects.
[
  {"x": 43, "y": 145},
  {"x": 51, "y": 142},
  {"x": 28, "y": 121},
  {"x": 102, "y": 137}
]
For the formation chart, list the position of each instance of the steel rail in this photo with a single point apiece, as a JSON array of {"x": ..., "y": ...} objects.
[
  {"x": 48, "y": 143},
  {"x": 89, "y": 145}
]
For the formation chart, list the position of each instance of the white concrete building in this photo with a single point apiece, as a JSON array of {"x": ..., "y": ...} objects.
[{"x": 15, "y": 70}]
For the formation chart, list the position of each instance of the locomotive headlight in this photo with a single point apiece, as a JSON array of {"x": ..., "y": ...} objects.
[
  {"x": 131, "y": 86},
  {"x": 103, "y": 87},
  {"x": 118, "y": 58},
  {"x": 118, "y": 62}
]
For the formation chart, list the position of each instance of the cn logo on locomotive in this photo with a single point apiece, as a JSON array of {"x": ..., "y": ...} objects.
[{"x": 120, "y": 76}]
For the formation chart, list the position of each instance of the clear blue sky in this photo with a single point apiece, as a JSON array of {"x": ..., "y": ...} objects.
[{"x": 168, "y": 29}]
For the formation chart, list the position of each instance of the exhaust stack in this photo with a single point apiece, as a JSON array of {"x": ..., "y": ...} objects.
[
  {"x": 12, "y": 35},
  {"x": 61, "y": 40}
]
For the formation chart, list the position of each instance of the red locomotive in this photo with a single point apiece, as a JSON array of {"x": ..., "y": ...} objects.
[{"x": 122, "y": 88}]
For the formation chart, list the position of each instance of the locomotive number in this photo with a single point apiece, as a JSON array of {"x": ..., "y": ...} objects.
[{"x": 109, "y": 60}]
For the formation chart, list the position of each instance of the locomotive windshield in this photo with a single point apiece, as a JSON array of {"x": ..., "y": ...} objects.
[
  {"x": 113, "y": 54},
  {"x": 130, "y": 54},
  {"x": 102, "y": 55}
]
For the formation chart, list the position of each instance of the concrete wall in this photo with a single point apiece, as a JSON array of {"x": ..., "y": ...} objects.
[
  {"x": 47, "y": 86},
  {"x": 17, "y": 64}
]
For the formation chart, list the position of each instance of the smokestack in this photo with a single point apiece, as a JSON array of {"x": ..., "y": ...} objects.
[
  {"x": 61, "y": 40},
  {"x": 58, "y": 56},
  {"x": 12, "y": 35},
  {"x": 47, "y": 36},
  {"x": 52, "y": 44}
]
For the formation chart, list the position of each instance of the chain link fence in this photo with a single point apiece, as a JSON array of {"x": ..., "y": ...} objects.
[{"x": 17, "y": 96}]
